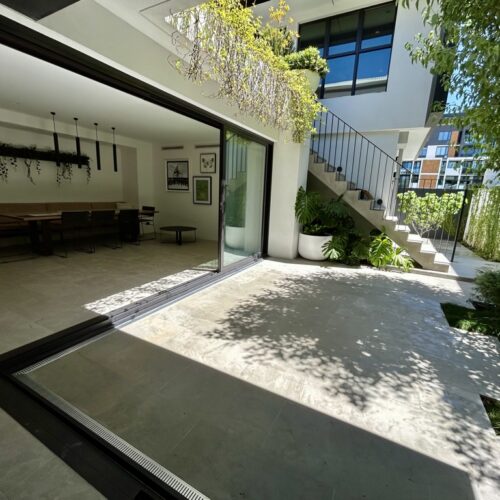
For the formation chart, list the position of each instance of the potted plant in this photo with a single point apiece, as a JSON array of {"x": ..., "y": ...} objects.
[
  {"x": 317, "y": 219},
  {"x": 234, "y": 216},
  {"x": 310, "y": 62}
]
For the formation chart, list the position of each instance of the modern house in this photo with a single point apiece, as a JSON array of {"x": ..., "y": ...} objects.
[{"x": 98, "y": 77}]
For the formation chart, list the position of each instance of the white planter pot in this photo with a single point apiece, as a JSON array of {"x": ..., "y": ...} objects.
[
  {"x": 234, "y": 237},
  {"x": 313, "y": 78},
  {"x": 310, "y": 246}
]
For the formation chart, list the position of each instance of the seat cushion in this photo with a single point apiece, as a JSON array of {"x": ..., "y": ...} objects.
[
  {"x": 23, "y": 208},
  {"x": 68, "y": 206},
  {"x": 103, "y": 205}
]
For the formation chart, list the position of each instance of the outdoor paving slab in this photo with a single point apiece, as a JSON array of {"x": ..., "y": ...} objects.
[{"x": 293, "y": 381}]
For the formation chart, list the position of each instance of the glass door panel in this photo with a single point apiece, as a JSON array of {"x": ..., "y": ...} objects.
[{"x": 245, "y": 166}]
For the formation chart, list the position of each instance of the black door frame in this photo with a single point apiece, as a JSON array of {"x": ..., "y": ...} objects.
[
  {"x": 20, "y": 401},
  {"x": 266, "y": 199}
]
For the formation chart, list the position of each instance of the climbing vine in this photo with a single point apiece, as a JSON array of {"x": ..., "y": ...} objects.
[
  {"x": 483, "y": 229},
  {"x": 221, "y": 40}
]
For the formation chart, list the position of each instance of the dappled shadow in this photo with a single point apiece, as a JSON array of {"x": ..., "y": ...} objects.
[
  {"x": 378, "y": 342},
  {"x": 231, "y": 439}
]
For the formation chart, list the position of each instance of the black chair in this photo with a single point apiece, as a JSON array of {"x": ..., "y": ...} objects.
[
  {"x": 128, "y": 223},
  {"x": 74, "y": 226},
  {"x": 104, "y": 225},
  {"x": 18, "y": 230},
  {"x": 147, "y": 218}
]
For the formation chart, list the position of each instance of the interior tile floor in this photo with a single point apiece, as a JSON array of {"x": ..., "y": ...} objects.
[
  {"x": 291, "y": 381},
  {"x": 43, "y": 295}
]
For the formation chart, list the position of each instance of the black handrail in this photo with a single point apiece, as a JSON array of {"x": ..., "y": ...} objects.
[
  {"x": 366, "y": 168},
  {"x": 358, "y": 160}
]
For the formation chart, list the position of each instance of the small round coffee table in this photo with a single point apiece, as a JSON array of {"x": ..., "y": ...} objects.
[{"x": 178, "y": 232}]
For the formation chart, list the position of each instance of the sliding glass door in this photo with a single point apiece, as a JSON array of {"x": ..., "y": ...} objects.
[{"x": 243, "y": 202}]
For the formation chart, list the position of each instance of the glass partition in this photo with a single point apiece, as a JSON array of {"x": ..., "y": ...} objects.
[{"x": 245, "y": 164}]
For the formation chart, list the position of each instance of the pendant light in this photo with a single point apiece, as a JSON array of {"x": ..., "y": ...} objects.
[
  {"x": 115, "y": 160},
  {"x": 78, "y": 149},
  {"x": 56, "y": 138},
  {"x": 97, "y": 149}
]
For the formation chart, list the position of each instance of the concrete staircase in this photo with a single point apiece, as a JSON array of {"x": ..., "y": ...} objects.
[{"x": 419, "y": 249}]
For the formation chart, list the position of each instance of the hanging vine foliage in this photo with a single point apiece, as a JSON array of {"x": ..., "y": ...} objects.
[
  {"x": 220, "y": 41},
  {"x": 483, "y": 229}
]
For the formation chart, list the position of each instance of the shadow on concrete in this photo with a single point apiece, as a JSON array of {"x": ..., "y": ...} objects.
[{"x": 231, "y": 439}]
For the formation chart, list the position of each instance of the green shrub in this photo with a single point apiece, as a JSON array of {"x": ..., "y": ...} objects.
[
  {"x": 309, "y": 58},
  {"x": 488, "y": 286}
]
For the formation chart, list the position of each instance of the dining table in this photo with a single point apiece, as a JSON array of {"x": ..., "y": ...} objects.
[{"x": 39, "y": 226}]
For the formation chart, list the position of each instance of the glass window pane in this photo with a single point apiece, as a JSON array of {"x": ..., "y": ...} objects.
[
  {"x": 373, "y": 68},
  {"x": 343, "y": 32},
  {"x": 339, "y": 79},
  {"x": 378, "y": 26},
  {"x": 313, "y": 34}
]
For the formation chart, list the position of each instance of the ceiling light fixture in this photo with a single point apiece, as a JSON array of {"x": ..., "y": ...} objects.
[
  {"x": 97, "y": 148},
  {"x": 77, "y": 141},
  {"x": 56, "y": 138},
  {"x": 115, "y": 160}
]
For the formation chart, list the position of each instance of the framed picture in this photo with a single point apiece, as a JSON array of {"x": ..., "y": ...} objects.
[
  {"x": 208, "y": 163},
  {"x": 202, "y": 190},
  {"x": 177, "y": 173}
]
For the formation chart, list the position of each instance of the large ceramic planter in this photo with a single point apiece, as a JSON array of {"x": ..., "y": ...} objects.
[
  {"x": 310, "y": 247},
  {"x": 234, "y": 237},
  {"x": 313, "y": 79}
]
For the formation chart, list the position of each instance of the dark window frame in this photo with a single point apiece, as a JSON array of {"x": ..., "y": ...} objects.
[{"x": 358, "y": 51}]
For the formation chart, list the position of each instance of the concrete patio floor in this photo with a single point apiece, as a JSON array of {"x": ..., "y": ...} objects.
[{"x": 292, "y": 381}]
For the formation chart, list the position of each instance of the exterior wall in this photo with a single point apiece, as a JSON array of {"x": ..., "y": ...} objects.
[
  {"x": 405, "y": 103},
  {"x": 290, "y": 165},
  {"x": 123, "y": 41}
]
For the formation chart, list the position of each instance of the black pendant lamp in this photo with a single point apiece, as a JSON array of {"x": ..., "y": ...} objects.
[
  {"x": 56, "y": 138},
  {"x": 115, "y": 160},
  {"x": 77, "y": 141},
  {"x": 97, "y": 149}
]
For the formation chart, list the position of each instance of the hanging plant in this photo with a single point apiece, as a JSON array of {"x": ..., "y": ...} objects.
[
  {"x": 30, "y": 164},
  {"x": 64, "y": 173},
  {"x": 88, "y": 171},
  {"x": 220, "y": 40},
  {"x": 4, "y": 169}
]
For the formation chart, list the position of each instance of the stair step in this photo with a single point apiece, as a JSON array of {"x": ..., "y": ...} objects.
[
  {"x": 402, "y": 228},
  {"x": 415, "y": 238}
]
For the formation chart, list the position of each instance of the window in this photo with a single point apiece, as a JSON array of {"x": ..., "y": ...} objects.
[
  {"x": 441, "y": 151},
  {"x": 444, "y": 136},
  {"x": 423, "y": 152},
  {"x": 357, "y": 47}
]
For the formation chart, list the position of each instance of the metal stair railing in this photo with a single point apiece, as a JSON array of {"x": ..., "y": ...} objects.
[{"x": 354, "y": 158}]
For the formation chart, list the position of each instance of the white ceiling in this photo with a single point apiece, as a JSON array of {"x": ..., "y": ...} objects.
[{"x": 33, "y": 86}]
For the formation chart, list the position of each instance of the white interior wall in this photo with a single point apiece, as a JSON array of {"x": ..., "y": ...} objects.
[
  {"x": 23, "y": 129},
  {"x": 177, "y": 208},
  {"x": 104, "y": 185}
]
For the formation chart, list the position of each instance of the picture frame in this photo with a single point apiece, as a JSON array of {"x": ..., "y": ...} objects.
[
  {"x": 202, "y": 190},
  {"x": 208, "y": 163},
  {"x": 177, "y": 175}
]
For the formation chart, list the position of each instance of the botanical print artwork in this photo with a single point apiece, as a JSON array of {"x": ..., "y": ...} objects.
[{"x": 202, "y": 190}]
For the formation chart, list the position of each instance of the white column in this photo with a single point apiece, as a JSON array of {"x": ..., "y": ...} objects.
[{"x": 290, "y": 165}]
